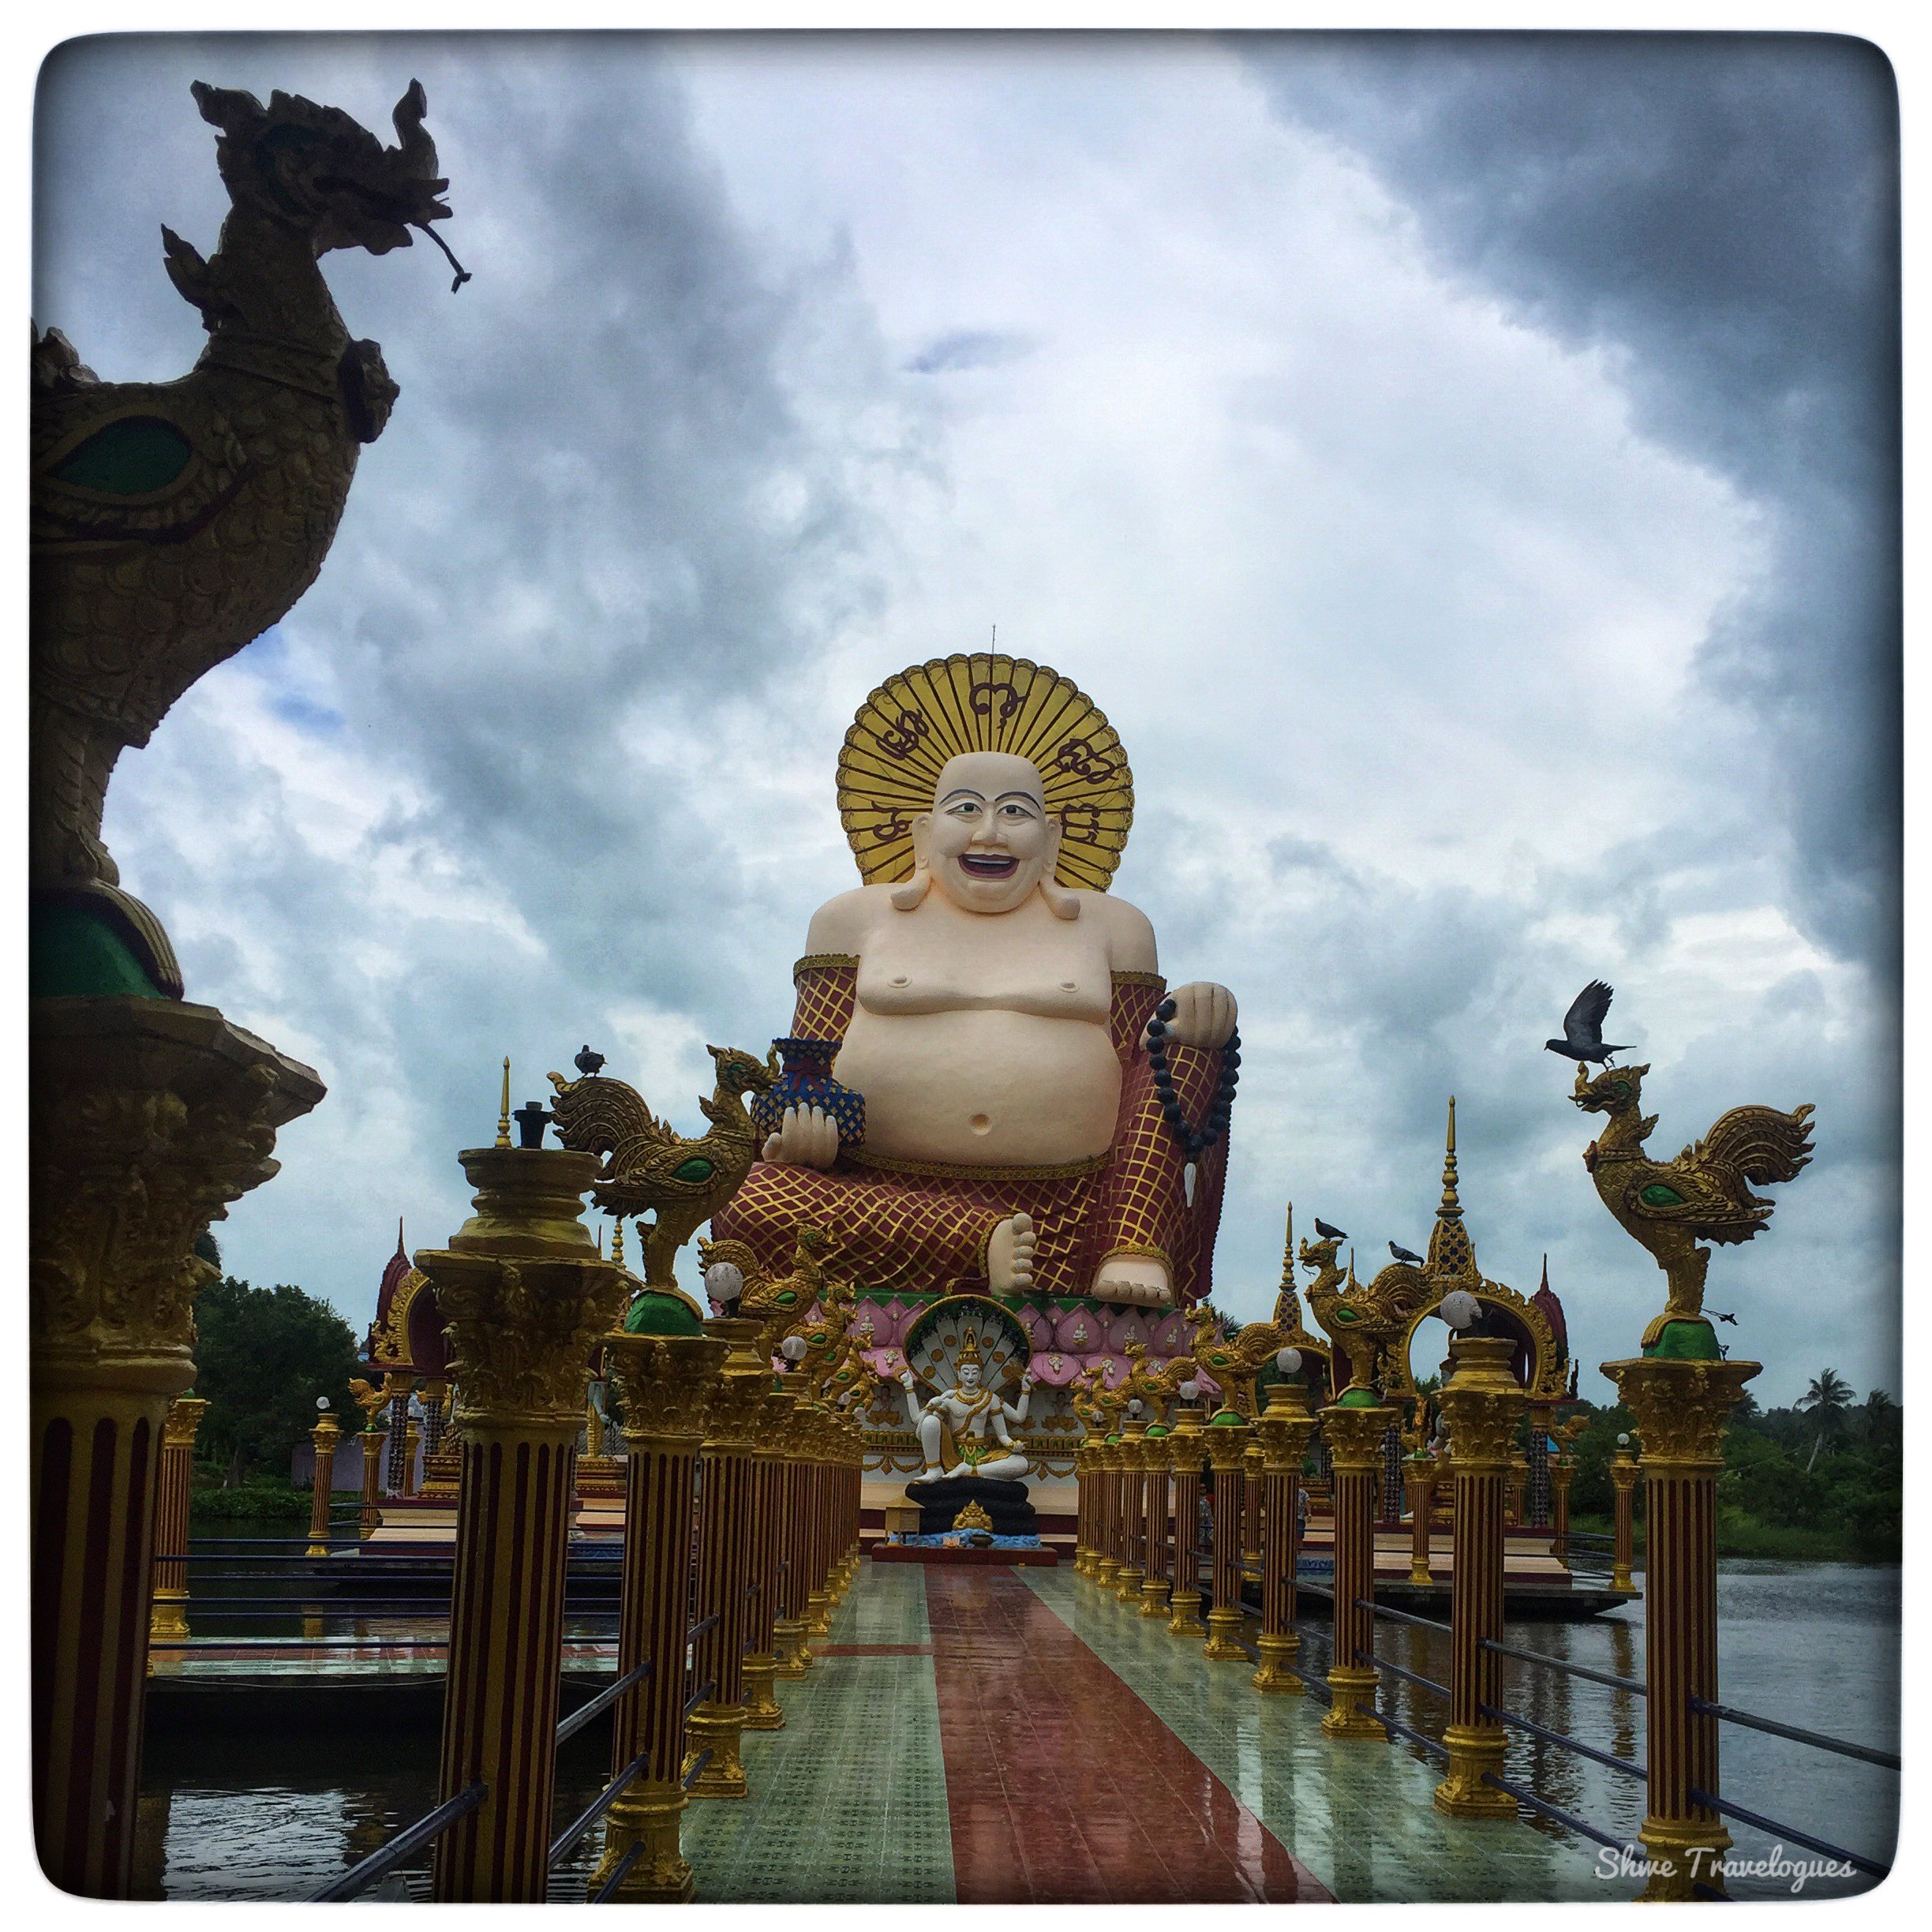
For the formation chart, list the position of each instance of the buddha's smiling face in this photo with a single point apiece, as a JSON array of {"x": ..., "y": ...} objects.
[{"x": 988, "y": 841}]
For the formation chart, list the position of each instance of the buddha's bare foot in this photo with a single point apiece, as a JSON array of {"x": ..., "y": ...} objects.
[
  {"x": 1009, "y": 1255},
  {"x": 927, "y": 1475},
  {"x": 1143, "y": 1279}
]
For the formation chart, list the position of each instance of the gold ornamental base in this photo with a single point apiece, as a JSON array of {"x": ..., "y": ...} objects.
[
  {"x": 1224, "y": 1623},
  {"x": 1083, "y": 1562},
  {"x": 717, "y": 1726},
  {"x": 1278, "y": 1654},
  {"x": 761, "y": 1711},
  {"x": 1473, "y": 1749},
  {"x": 818, "y": 1614},
  {"x": 794, "y": 1657},
  {"x": 1184, "y": 1614},
  {"x": 647, "y": 1815},
  {"x": 1683, "y": 1855},
  {"x": 1107, "y": 1573},
  {"x": 1154, "y": 1598},
  {"x": 1351, "y": 1714},
  {"x": 1127, "y": 1585}
]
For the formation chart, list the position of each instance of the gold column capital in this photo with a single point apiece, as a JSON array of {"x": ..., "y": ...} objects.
[
  {"x": 326, "y": 1434},
  {"x": 149, "y": 1117},
  {"x": 1483, "y": 1402},
  {"x": 1354, "y": 1434},
  {"x": 1226, "y": 1444},
  {"x": 1285, "y": 1427},
  {"x": 665, "y": 1384},
  {"x": 1681, "y": 1406},
  {"x": 184, "y": 1418}
]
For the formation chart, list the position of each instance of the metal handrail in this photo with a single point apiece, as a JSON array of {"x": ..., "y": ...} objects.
[
  {"x": 602, "y": 1701},
  {"x": 696, "y": 1766},
  {"x": 305, "y": 1643},
  {"x": 1629, "y": 1766},
  {"x": 1573, "y": 1670},
  {"x": 1775, "y": 1830},
  {"x": 698, "y": 1696},
  {"x": 1732, "y": 1715},
  {"x": 1401, "y": 1616},
  {"x": 364, "y": 1874},
  {"x": 598, "y": 1806},
  {"x": 1435, "y": 1747},
  {"x": 1318, "y": 1590},
  {"x": 604, "y": 1893},
  {"x": 703, "y": 1624},
  {"x": 1561, "y": 1817},
  {"x": 1395, "y": 1670}
]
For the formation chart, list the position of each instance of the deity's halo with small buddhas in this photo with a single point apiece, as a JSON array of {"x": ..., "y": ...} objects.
[{"x": 907, "y": 729}]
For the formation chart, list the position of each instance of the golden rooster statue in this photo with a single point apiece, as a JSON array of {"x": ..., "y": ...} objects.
[
  {"x": 1231, "y": 1360},
  {"x": 172, "y": 522},
  {"x": 1156, "y": 1387},
  {"x": 781, "y": 1302},
  {"x": 1704, "y": 1195},
  {"x": 648, "y": 1165}
]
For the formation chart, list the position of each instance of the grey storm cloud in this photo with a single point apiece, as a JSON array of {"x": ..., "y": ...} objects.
[{"x": 1723, "y": 210}]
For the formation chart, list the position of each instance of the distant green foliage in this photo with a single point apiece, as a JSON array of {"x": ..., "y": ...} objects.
[
  {"x": 268, "y": 1502},
  {"x": 1824, "y": 1480},
  {"x": 263, "y": 1356}
]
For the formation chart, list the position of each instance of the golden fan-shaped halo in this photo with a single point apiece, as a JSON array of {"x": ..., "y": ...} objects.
[{"x": 983, "y": 702}]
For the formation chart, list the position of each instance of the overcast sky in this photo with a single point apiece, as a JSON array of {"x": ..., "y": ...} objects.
[{"x": 1463, "y": 468}]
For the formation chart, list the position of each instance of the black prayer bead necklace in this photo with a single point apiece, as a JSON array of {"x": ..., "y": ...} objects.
[{"x": 1193, "y": 1141}]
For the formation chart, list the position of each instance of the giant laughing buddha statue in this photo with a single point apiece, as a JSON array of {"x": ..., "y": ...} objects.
[{"x": 989, "y": 1086}]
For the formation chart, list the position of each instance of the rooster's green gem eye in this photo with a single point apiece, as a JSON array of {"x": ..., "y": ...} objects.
[
  {"x": 1657, "y": 1195},
  {"x": 128, "y": 458},
  {"x": 697, "y": 1168}
]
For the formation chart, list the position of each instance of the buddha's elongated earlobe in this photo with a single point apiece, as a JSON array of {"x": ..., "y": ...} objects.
[
  {"x": 1060, "y": 902},
  {"x": 909, "y": 894}
]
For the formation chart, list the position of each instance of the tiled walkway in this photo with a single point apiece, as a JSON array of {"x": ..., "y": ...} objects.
[{"x": 990, "y": 1734}]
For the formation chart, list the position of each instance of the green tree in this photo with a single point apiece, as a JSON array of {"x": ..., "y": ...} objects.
[
  {"x": 1829, "y": 1399},
  {"x": 263, "y": 1356}
]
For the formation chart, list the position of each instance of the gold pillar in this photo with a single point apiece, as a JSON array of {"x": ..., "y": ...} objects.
[
  {"x": 1082, "y": 1498},
  {"x": 1284, "y": 1427},
  {"x": 412, "y": 1440},
  {"x": 1156, "y": 1465},
  {"x": 1681, "y": 1408},
  {"x": 1484, "y": 1402},
  {"x": 373, "y": 1439},
  {"x": 1184, "y": 1452},
  {"x": 790, "y": 1635},
  {"x": 147, "y": 1116},
  {"x": 1623, "y": 1484},
  {"x": 665, "y": 1382},
  {"x": 168, "y": 1620},
  {"x": 1561, "y": 1471},
  {"x": 524, "y": 1298},
  {"x": 1226, "y": 1444},
  {"x": 325, "y": 1435},
  {"x": 1108, "y": 1466},
  {"x": 1419, "y": 1479},
  {"x": 1354, "y": 1436},
  {"x": 724, "y": 1557},
  {"x": 763, "y": 1710},
  {"x": 1516, "y": 1483},
  {"x": 1254, "y": 1465},
  {"x": 1132, "y": 1511}
]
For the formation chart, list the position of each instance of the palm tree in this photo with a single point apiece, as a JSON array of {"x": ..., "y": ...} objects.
[{"x": 1829, "y": 1400}]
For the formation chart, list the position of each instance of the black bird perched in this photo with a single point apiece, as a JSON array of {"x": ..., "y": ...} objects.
[
  {"x": 1402, "y": 1254},
  {"x": 1583, "y": 1027},
  {"x": 1325, "y": 1232},
  {"x": 587, "y": 1062}
]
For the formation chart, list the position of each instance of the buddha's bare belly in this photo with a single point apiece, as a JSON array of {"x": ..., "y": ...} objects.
[{"x": 984, "y": 1088}]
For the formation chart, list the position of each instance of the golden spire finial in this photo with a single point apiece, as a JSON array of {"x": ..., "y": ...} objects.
[
  {"x": 1288, "y": 1261},
  {"x": 617, "y": 1259},
  {"x": 1451, "y": 1252},
  {"x": 503, "y": 1118},
  {"x": 1451, "y": 1206}
]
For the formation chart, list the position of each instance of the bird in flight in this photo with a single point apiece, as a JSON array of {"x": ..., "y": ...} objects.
[
  {"x": 1583, "y": 1027},
  {"x": 1402, "y": 1254},
  {"x": 1328, "y": 1233}
]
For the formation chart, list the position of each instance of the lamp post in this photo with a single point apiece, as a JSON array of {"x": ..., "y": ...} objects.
[
  {"x": 325, "y": 1435},
  {"x": 1419, "y": 1479},
  {"x": 1284, "y": 1428},
  {"x": 1185, "y": 1451},
  {"x": 1484, "y": 1402},
  {"x": 524, "y": 1297},
  {"x": 1623, "y": 1484},
  {"x": 1227, "y": 1443}
]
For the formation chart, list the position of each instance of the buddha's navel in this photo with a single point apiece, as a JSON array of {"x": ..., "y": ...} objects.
[
  {"x": 981, "y": 1123},
  {"x": 901, "y": 979}
]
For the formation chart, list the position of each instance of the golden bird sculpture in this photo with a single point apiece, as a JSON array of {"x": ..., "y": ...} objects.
[
  {"x": 1704, "y": 1195},
  {"x": 680, "y": 1179},
  {"x": 173, "y": 522}
]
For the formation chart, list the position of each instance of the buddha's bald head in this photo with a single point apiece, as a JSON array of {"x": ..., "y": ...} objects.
[{"x": 989, "y": 841}]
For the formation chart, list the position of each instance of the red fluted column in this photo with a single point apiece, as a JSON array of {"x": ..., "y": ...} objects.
[
  {"x": 1354, "y": 1433},
  {"x": 525, "y": 1298},
  {"x": 1483, "y": 1402},
  {"x": 664, "y": 1382},
  {"x": 1185, "y": 1450},
  {"x": 1284, "y": 1428},
  {"x": 1227, "y": 1444}
]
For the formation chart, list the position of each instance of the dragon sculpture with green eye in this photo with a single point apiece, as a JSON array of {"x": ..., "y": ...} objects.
[
  {"x": 1704, "y": 1195},
  {"x": 680, "y": 1179}
]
